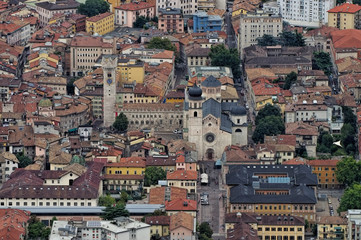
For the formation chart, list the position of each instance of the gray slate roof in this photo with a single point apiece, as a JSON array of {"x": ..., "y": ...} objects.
[
  {"x": 212, "y": 107},
  {"x": 211, "y": 82},
  {"x": 300, "y": 185}
]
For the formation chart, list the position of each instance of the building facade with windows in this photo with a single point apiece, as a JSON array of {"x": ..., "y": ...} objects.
[
  {"x": 345, "y": 16},
  {"x": 171, "y": 20},
  {"x": 309, "y": 13},
  {"x": 202, "y": 22},
  {"x": 100, "y": 24},
  {"x": 325, "y": 171},
  {"x": 127, "y": 14},
  {"x": 272, "y": 190}
]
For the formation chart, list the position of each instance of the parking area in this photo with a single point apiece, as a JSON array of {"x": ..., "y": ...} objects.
[{"x": 329, "y": 206}]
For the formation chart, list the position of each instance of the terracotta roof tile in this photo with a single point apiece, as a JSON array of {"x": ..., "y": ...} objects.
[
  {"x": 128, "y": 162},
  {"x": 182, "y": 175},
  {"x": 345, "y": 8},
  {"x": 181, "y": 204},
  {"x": 99, "y": 17},
  {"x": 134, "y": 6},
  {"x": 157, "y": 195},
  {"x": 158, "y": 220},
  {"x": 181, "y": 219}
]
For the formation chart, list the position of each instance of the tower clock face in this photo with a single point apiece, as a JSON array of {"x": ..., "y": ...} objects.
[{"x": 109, "y": 81}]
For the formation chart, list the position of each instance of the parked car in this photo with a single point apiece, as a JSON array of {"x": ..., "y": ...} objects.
[
  {"x": 204, "y": 198},
  {"x": 177, "y": 131}
]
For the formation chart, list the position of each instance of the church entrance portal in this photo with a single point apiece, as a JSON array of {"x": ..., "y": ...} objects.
[{"x": 210, "y": 154}]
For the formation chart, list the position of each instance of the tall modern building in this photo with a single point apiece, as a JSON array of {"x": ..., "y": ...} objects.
[
  {"x": 109, "y": 65},
  {"x": 255, "y": 25},
  {"x": 305, "y": 13},
  {"x": 202, "y": 22}
]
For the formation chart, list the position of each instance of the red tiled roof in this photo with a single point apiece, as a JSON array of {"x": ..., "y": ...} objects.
[
  {"x": 99, "y": 17},
  {"x": 157, "y": 195},
  {"x": 182, "y": 175},
  {"x": 158, "y": 220},
  {"x": 13, "y": 222},
  {"x": 323, "y": 162},
  {"x": 128, "y": 162},
  {"x": 181, "y": 219},
  {"x": 347, "y": 38},
  {"x": 135, "y": 6},
  {"x": 181, "y": 204},
  {"x": 345, "y": 8}
]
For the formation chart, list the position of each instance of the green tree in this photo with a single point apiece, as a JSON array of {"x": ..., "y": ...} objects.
[
  {"x": 106, "y": 201},
  {"x": 121, "y": 122},
  {"x": 351, "y": 198},
  {"x": 140, "y": 22},
  {"x": 23, "y": 160},
  {"x": 161, "y": 43},
  {"x": 292, "y": 39},
  {"x": 37, "y": 230},
  {"x": 205, "y": 231},
  {"x": 221, "y": 56},
  {"x": 348, "y": 138},
  {"x": 53, "y": 220},
  {"x": 267, "y": 40},
  {"x": 111, "y": 212},
  {"x": 349, "y": 116},
  {"x": 270, "y": 125},
  {"x": 93, "y": 7},
  {"x": 291, "y": 78},
  {"x": 268, "y": 110},
  {"x": 348, "y": 171},
  {"x": 153, "y": 174},
  {"x": 322, "y": 61},
  {"x": 124, "y": 197}
]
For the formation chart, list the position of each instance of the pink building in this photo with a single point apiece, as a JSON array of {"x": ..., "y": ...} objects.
[
  {"x": 127, "y": 14},
  {"x": 182, "y": 226},
  {"x": 170, "y": 20}
]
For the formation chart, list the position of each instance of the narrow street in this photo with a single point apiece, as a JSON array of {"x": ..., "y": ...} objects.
[{"x": 214, "y": 212}]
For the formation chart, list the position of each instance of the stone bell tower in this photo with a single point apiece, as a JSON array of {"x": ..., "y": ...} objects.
[{"x": 109, "y": 66}]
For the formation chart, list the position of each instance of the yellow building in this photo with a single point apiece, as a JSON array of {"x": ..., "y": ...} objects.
[
  {"x": 345, "y": 16},
  {"x": 144, "y": 94},
  {"x": 127, "y": 174},
  {"x": 331, "y": 227},
  {"x": 269, "y": 227},
  {"x": 130, "y": 71},
  {"x": 325, "y": 171},
  {"x": 159, "y": 225},
  {"x": 113, "y": 4},
  {"x": 100, "y": 24},
  {"x": 183, "y": 179}
]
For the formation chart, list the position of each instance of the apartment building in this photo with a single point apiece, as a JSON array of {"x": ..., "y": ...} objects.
[
  {"x": 85, "y": 51},
  {"x": 183, "y": 179},
  {"x": 353, "y": 224},
  {"x": 272, "y": 190},
  {"x": 325, "y": 171},
  {"x": 130, "y": 70},
  {"x": 345, "y": 16},
  {"x": 206, "y": 5},
  {"x": 8, "y": 164},
  {"x": 100, "y": 24},
  {"x": 47, "y": 10},
  {"x": 255, "y": 25},
  {"x": 189, "y": 7},
  {"x": 308, "y": 13},
  {"x": 332, "y": 227},
  {"x": 171, "y": 20},
  {"x": 127, "y": 14},
  {"x": 203, "y": 22}
]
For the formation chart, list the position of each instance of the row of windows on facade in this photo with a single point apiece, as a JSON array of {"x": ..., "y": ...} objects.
[
  {"x": 75, "y": 204},
  {"x": 261, "y": 207},
  {"x": 187, "y": 184},
  {"x": 279, "y": 229},
  {"x": 282, "y": 238},
  {"x": 154, "y": 116},
  {"x": 120, "y": 172}
]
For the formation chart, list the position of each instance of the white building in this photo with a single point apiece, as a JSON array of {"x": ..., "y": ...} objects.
[
  {"x": 8, "y": 163},
  {"x": 189, "y": 7},
  {"x": 307, "y": 13},
  {"x": 255, "y": 25},
  {"x": 123, "y": 229},
  {"x": 354, "y": 224},
  {"x": 211, "y": 123}
]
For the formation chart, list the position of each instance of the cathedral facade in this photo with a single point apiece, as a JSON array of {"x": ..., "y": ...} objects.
[{"x": 213, "y": 124}]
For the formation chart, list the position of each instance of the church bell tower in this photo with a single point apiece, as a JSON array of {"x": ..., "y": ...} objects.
[{"x": 109, "y": 66}]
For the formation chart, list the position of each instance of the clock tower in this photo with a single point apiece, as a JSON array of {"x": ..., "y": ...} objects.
[{"x": 109, "y": 66}]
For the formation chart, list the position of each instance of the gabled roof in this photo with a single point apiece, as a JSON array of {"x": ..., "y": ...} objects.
[
  {"x": 345, "y": 8},
  {"x": 212, "y": 107},
  {"x": 182, "y": 175},
  {"x": 181, "y": 219},
  {"x": 158, "y": 220},
  {"x": 347, "y": 38},
  {"x": 181, "y": 204}
]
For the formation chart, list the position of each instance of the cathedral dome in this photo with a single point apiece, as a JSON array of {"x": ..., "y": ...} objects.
[
  {"x": 238, "y": 111},
  {"x": 195, "y": 91},
  {"x": 45, "y": 103}
]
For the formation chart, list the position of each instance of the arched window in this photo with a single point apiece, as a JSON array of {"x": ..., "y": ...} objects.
[
  {"x": 195, "y": 114},
  {"x": 238, "y": 130}
]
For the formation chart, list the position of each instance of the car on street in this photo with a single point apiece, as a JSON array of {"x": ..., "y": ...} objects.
[{"x": 205, "y": 198}]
